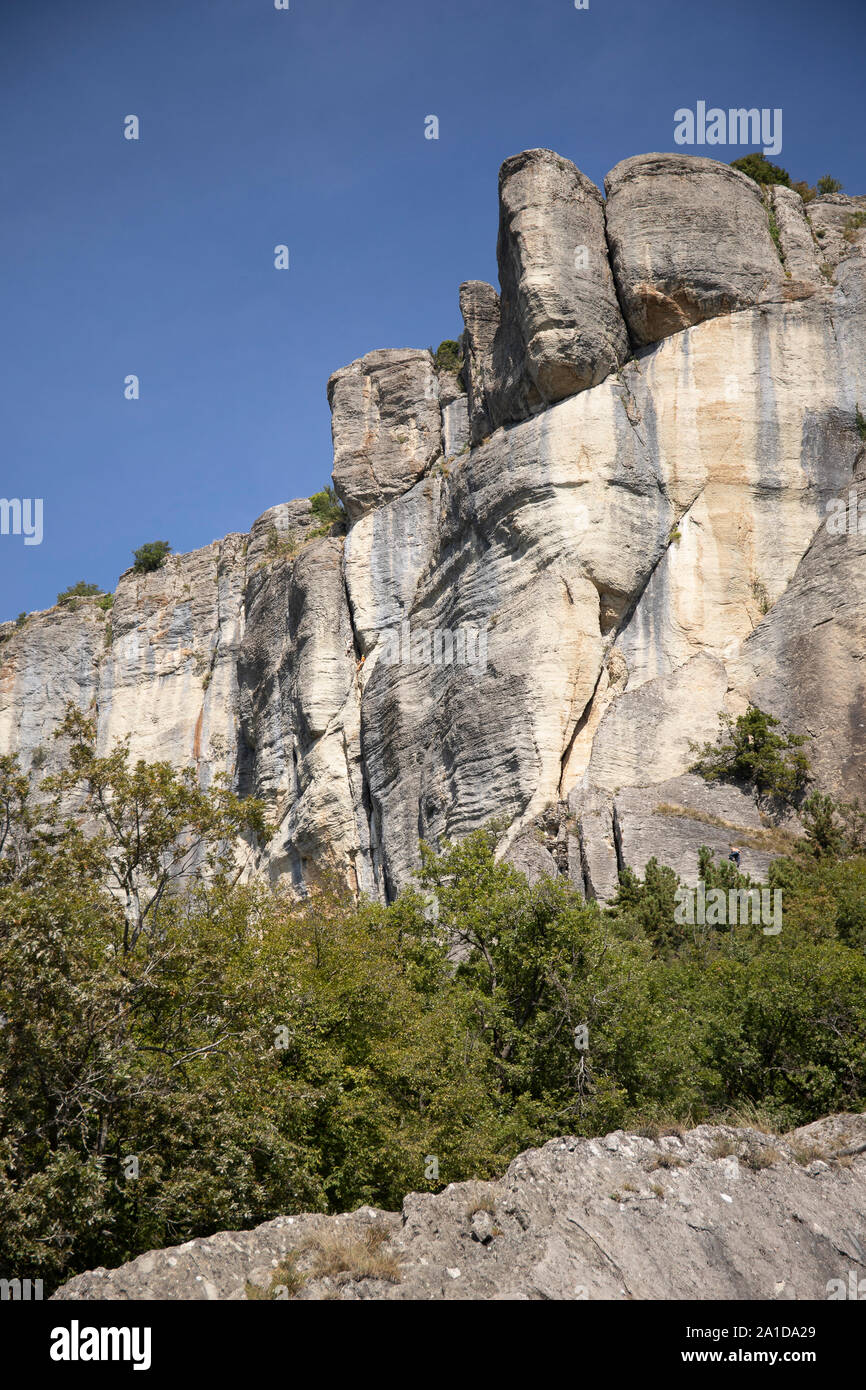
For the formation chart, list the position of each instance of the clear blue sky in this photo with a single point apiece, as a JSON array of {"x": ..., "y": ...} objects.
[{"x": 305, "y": 127}]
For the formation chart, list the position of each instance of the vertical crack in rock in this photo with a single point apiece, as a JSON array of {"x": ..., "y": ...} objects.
[
  {"x": 371, "y": 817},
  {"x": 616, "y": 828}
]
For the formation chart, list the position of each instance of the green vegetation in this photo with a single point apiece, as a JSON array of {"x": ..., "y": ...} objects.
[
  {"x": 759, "y": 168},
  {"x": 181, "y": 1052},
  {"x": 282, "y": 547},
  {"x": 853, "y": 222},
  {"x": 151, "y": 556},
  {"x": 749, "y": 750},
  {"x": 76, "y": 591},
  {"x": 775, "y": 234},
  {"x": 860, "y": 420},
  {"x": 447, "y": 356},
  {"x": 328, "y": 509}
]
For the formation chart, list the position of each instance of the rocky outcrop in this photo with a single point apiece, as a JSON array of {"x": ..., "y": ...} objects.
[
  {"x": 716, "y": 1212},
  {"x": 689, "y": 239},
  {"x": 561, "y": 329},
  {"x": 387, "y": 426},
  {"x": 839, "y": 226},
  {"x": 805, "y": 661},
  {"x": 479, "y": 305},
  {"x": 797, "y": 243},
  {"x": 551, "y": 584}
]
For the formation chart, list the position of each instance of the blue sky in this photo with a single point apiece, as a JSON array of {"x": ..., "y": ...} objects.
[{"x": 305, "y": 127}]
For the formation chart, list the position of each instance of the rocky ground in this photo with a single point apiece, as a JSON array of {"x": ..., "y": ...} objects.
[{"x": 715, "y": 1212}]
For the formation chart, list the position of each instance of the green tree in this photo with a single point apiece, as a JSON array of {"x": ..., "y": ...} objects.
[
  {"x": 155, "y": 826},
  {"x": 448, "y": 356},
  {"x": 79, "y": 590},
  {"x": 759, "y": 168},
  {"x": 327, "y": 508},
  {"x": 748, "y": 749},
  {"x": 151, "y": 556}
]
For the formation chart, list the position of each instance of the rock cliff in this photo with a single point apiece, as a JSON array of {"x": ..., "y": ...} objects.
[
  {"x": 559, "y": 567},
  {"x": 713, "y": 1213}
]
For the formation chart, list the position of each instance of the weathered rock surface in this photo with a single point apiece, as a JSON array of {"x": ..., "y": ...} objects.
[
  {"x": 634, "y": 558},
  {"x": 387, "y": 426},
  {"x": 479, "y": 305},
  {"x": 713, "y": 1213},
  {"x": 689, "y": 239},
  {"x": 806, "y": 659},
  {"x": 561, "y": 329},
  {"x": 839, "y": 225},
  {"x": 798, "y": 243}
]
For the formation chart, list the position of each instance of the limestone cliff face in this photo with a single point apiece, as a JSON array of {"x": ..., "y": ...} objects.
[{"x": 552, "y": 579}]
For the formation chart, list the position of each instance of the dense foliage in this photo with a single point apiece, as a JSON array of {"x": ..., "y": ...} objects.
[
  {"x": 759, "y": 168},
  {"x": 448, "y": 356},
  {"x": 151, "y": 556},
  {"x": 80, "y": 590},
  {"x": 749, "y": 749},
  {"x": 182, "y": 1052},
  {"x": 327, "y": 508}
]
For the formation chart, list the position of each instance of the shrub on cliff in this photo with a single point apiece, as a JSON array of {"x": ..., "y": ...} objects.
[
  {"x": 76, "y": 591},
  {"x": 151, "y": 556},
  {"x": 447, "y": 356},
  {"x": 759, "y": 168},
  {"x": 748, "y": 749},
  {"x": 327, "y": 508}
]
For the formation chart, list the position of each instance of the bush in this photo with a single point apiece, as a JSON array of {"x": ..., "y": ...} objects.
[
  {"x": 79, "y": 590},
  {"x": 327, "y": 508},
  {"x": 151, "y": 556},
  {"x": 447, "y": 356},
  {"x": 827, "y": 184},
  {"x": 759, "y": 168},
  {"x": 749, "y": 750}
]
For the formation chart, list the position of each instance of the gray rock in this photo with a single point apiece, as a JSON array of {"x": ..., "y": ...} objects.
[
  {"x": 529, "y": 855},
  {"x": 561, "y": 329},
  {"x": 479, "y": 305},
  {"x": 716, "y": 1212},
  {"x": 839, "y": 227},
  {"x": 672, "y": 820},
  {"x": 386, "y": 424},
  {"x": 455, "y": 428},
  {"x": 689, "y": 239},
  {"x": 799, "y": 247},
  {"x": 804, "y": 664},
  {"x": 592, "y": 808}
]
